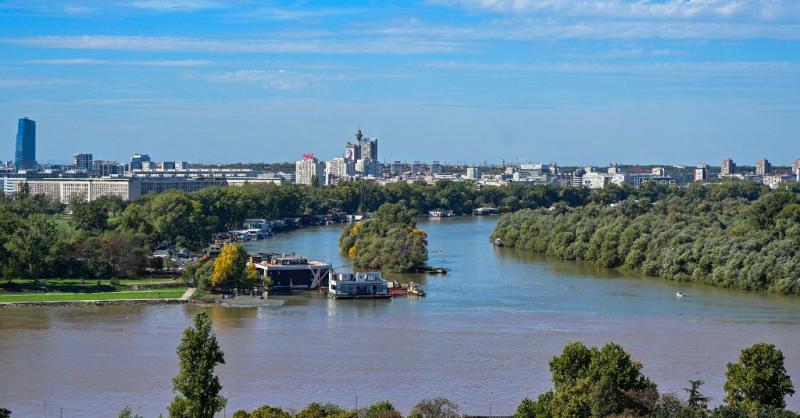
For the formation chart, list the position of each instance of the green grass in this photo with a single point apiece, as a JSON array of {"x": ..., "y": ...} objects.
[
  {"x": 71, "y": 281},
  {"x": 45, "y": 297}
]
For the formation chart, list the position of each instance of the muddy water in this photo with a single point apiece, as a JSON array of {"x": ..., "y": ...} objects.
[{"x": 482, "y": 337}]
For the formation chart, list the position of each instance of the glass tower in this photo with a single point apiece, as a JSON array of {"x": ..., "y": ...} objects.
[{"x": 25, "y": 156}]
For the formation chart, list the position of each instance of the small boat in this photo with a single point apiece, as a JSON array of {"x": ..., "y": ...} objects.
[
  {"x": 415, "y": 290},
  {"x": 499, "y": 242},
  {"x": 679, "y": 294}
]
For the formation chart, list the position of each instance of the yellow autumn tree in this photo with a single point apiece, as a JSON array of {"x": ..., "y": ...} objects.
[{"x": 230, "y": 267}]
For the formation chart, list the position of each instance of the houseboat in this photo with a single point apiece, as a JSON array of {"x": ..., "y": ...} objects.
[
  {"x": 441, "y": 213},
  {"x": 485, "y": 211},
  {"x": 358, "y": 286},
  {"x": 283, "y": 273}
]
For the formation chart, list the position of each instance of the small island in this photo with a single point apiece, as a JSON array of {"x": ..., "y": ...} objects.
[{"x": 388, "y": 241}]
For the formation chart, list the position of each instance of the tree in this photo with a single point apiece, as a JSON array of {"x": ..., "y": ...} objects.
[
  {"x": 197, "y": 387},
  {"x": 435, "y": 408},
  {"x": 758, "y": 378},
  {"x": 88, "y": 216},
  {"x": 127, "y": 412},
  {"x": 230, "y": 267},
  {"x": 696, "y": 399},
  {"x": 34, "y": 247},
  {"x": 593, "y": 382},
  {"x": 383, "y": 409},
  {"x": 5, "y": 413}
]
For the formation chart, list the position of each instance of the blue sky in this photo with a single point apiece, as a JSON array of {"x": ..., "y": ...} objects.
[{"x": 578, "y": 82}]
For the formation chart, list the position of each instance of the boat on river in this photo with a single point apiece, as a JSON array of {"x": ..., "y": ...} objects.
[
  {"x": 368, "y": 285},
  {"x": 415, "y": 289}
]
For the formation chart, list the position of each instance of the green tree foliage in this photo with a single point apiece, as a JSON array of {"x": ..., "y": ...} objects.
[
  {"x": 383, "y": 409},
  {"x": 110, "y": 254},
  {"x": 314, "y": 410},
  {"x": 196, "y": 386},
  {"x": 265, "y": 411},
  {"x": 5, "y": 413},
  {"x": 435, "y": 408},
  {"x": 735, "y": 411},
  {"x": 389, "y": 241},
  {"x": 127, "y": 412},
  {"x": 686, "y": 236},
  {"x": 34, "y": 247},
  {"x": 758, "y": 378},
  {"x": 695, "y": 398},
  {"x": 593, "y": 382}
]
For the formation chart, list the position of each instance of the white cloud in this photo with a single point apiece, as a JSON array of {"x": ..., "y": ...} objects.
[
  {"x": 672, "y": 69},
  {"x": 278, "y": 13},
  {"x": 387, "y": 45},
  {"x": 539, "y": 28},
  {"x": 270, "y": 79},
  {"x": 142, "y": 63},
  {"x": 641, "y": 9},
  {"x": 36, "y": 82},
  {"x": 175, "y": 5}
]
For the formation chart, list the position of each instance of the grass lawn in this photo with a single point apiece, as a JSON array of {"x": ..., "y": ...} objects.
[
  {"x": 64, "y": 284},
  {"x": 53, "y": 296}
]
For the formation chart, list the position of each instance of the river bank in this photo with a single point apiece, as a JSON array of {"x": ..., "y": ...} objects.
[{"x": 485, "y": 332}]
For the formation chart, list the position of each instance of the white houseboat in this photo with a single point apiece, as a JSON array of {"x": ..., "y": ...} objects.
[
  {"x": 441, "y": 213},
  {"x": 357, "y": 286}
]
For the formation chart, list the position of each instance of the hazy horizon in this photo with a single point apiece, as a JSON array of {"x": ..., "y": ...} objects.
[{"x": 580, "y": 83}]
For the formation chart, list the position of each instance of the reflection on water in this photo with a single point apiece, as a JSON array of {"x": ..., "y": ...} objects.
[{"x": 484, "y": 332}]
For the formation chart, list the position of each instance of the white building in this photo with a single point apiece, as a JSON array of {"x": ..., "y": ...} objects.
[
  {"x": 87, "y": 189},
  {"x": 308, "y": 170},
  {"x": 338, "y": 168},
  {"x": 473, "y": 173},
  {"x": 595, "y": 180},
  {"x": 369, "y": 167},
  {"x": 702, "y": 173}
]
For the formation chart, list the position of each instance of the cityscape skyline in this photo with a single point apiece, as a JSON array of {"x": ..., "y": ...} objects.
[{"x": 578, "y": 82}]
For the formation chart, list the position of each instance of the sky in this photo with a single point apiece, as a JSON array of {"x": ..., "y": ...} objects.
[{"x": 461, "y": 81}]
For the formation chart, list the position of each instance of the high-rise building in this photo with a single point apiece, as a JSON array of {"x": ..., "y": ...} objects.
[
  {"x": 763, "y": 167},
  {"x": 83, "y": 162},
  {"x": 436, "y": 167},
  {"x": 137, "y": 160},
  {"x": 365, "y": 148},
  {"x": 658, "y": 171},
  {"x": 25, "y": 156},
  {"x": 309, "y": 171},
  {"x": 473, "y": 173},
  {"x": 727, "y": 168},
  {"x": 701, "y": 173},
  {"x": 796, "y": 167},
  {"x": 416, "y": 167}
]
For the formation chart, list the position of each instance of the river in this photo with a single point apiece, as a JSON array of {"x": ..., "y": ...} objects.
[{"x": 482, "y": 337}]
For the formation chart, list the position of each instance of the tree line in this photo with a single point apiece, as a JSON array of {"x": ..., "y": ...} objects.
[
  {"x": 109, "y": 237},
  {"x": 731, "y": 234},
  {"x": 607, "y": 382},
  {"x": 389, "y": 240}
]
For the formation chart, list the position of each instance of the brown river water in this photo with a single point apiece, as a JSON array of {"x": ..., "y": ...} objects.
[{"x": 482, "y": 337}]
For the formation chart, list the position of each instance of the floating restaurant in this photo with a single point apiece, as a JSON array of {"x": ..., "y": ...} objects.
[{"x": 287, "y": 272}]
